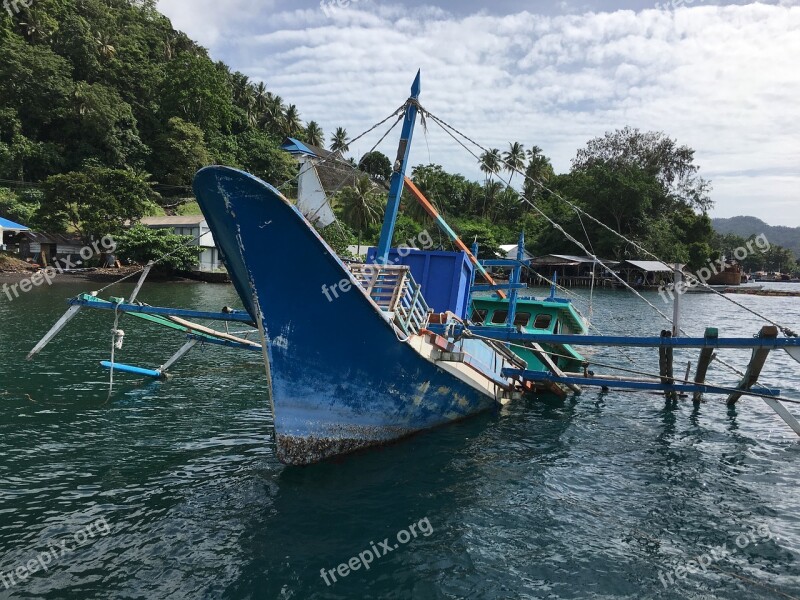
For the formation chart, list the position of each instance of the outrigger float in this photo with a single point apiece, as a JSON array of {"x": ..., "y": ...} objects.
[{"x": 360, "y": 354}]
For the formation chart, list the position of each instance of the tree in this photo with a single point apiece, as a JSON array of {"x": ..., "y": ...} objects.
[
  {"x": 360, "y": 204},
  {"x": 273, "y": 113},
  {"x": 105, "y": 46},
  {"x": 657, "y": 155},
  {"x": 514, "y": 159},
  {"x": 179, "y": 153},
  {"x": 195, "y": 90},
  {"x": 339, "y": 141},
  {"x": 490, "y": 163},
  {"x": 377, "y": 164},
  {"x": 260, "y": 154},
  {"x": 314, "y": 134},
  {"x": 292, "y": 125},
  {"x": 35, "y": 83},
  {"x": 18, "y": 207},
  {"x": 261, "y": 97},
  {"x": 94, "y": 202},
  {"x": 141, "y": 244},
  {"x": 538, "y": 170},
  {"x": 102, "y": 126}
]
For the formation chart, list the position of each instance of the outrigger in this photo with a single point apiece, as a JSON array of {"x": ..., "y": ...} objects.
[{"x": 411, "y": 341}]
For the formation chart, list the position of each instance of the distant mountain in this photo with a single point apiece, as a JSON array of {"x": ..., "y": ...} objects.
[{"x": 788, "y": 237}]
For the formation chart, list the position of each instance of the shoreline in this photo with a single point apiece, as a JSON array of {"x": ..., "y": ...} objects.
[{"x": 98, "y": 276}]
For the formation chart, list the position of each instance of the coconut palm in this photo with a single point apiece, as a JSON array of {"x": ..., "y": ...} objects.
[
  {"x": 314, "y": 134},
  {"x": 240, "y": 84},
  {"x": 104, "y": 46},
  {"x": 490, "y": 163},
  {"x": 291, "y": 121},
  {"x": 360, "y": 204},
  {"x": 273, "y": 112},
  {"x": 491, "y": 190},
  {"x": 514, "y": 159},
  {"x": 340, "y": 142},
  {"x": 539, "y": 170},
  {"x": 261, "y": 97}
]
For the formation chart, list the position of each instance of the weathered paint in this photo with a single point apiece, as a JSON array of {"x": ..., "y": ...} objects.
[{"x": 340, "y": 378}]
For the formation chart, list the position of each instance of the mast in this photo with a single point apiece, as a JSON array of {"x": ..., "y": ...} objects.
[
  {"x": 514, "y": 280},
  {"x": 398, "y": 174}
]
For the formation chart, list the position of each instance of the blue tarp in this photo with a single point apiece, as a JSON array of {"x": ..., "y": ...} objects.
[{"x": 6, "y": 224}]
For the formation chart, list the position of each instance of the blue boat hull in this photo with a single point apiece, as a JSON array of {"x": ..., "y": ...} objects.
[{"x": 340, "y": 377}]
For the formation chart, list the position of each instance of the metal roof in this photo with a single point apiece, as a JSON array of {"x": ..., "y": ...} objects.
[
  {"x": 651, "y": 266},
  {"x": 53, "y": 238},
  {"x": 569, "y": 258},
  {"x": 10, "y": 225},
  {"x": 173, "y": 221},
  {"x": 295, "y": 146}
]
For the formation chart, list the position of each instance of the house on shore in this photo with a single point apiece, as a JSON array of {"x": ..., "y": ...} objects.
[
  {"x": 573, "y": 271},
  {"x": 45, "y": 248},
  {"x": 646, "y": 273},
  {"x": 196, "y": 227},
  {"x": 9, "y": 233},
  {"x": 322, "y": 174}
]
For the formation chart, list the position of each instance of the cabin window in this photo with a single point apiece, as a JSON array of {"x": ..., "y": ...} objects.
[
  {"x": 499, "y": 317},
  {"x": 479, "y": 315},
  {"x": 557, "y": 327},
  {"x": 521, "y": 319},
  {"x": 542, "y": 321}
]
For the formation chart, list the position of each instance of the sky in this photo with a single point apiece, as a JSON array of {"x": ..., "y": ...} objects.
[{"x": 722, "y": 78}]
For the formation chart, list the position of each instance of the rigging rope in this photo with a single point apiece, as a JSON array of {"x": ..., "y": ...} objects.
[{"x": 447, "y": 127}]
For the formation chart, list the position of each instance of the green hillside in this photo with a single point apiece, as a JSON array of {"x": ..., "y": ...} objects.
[
  {"x": 788, "y": 237},
  {"x": 106, "y": 112}
]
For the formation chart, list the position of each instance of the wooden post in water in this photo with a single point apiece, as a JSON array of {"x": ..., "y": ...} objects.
[
  {"x": 677, "y": 287},
  {"x": 665, "y": 366},
  {"x": 756, "y": 364},
  {"x": 706, "y": 356}
]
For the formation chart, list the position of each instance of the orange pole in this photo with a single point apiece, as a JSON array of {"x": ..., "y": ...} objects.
[{"x": 434, "y": 214}]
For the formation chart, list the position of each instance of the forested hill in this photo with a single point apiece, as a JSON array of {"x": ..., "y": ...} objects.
[
  {"x": 788, "y": 237},
  {"x": 92, "y": 86},
  {"x": 106, "y": 112}
]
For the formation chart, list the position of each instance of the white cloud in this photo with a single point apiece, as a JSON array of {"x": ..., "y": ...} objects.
[{"x": 723, "y": 80}]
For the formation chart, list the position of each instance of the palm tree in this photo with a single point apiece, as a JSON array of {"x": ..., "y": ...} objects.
[
  {"x": 104, "y": 46},
  {"x": 340, "y": 142},
  {"x": 314, "y": 134},
  {"x": 261, "y": 97},
  {"x": 539, "y": 170},
  {"x": 492, "y": 190},
  {"x": 490, "y": 163},
  {"x": 273, "y": 112},
  {"x": 360, "y": 204},
  {"x": 36, "y": 27},
  {"x": 514, "y": 159},
  {"x": 243, "y": 91},
  {"x": 291, "y": 121}
]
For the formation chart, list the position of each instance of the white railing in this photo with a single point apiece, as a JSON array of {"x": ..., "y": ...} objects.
[{"x": 393, "y": 288}]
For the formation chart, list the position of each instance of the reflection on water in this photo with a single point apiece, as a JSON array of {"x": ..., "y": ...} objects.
[{"x": 590, "y": 497}]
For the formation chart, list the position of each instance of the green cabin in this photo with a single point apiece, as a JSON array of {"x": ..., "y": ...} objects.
[{"x": 553, "y": 315}]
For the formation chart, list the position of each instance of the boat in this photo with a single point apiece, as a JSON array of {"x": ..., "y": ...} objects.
[
  {"x": 350, "y": 357},
  {"x": 359, "y": 354},
  {"x": 730, "y": 275}
]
